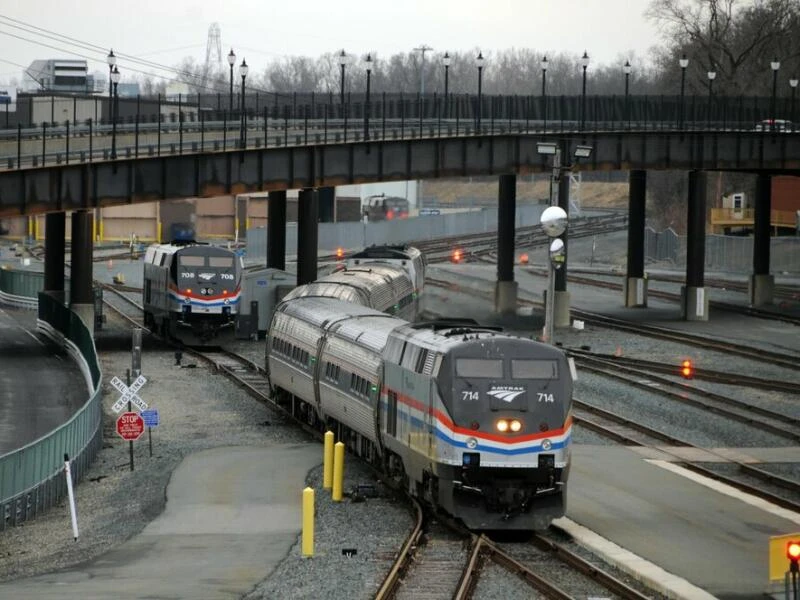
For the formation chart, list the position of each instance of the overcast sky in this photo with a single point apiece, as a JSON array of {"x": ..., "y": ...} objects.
[{"x": 165, "y": 31}]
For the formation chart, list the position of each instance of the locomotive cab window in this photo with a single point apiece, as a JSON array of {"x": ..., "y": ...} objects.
[
  {"x": 534, "y": 369},
  {"x": 481, "y": 368},
  {"x": 221, "y": 262},
  {"x": 187, "y": 260}
]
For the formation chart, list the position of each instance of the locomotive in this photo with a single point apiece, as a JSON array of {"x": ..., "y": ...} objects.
[
  {"x": 192, "y": 292},
  {"x": 473, "y": 421}
]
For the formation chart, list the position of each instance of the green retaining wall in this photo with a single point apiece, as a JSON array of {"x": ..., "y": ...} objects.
[{"x": 32, "y": 477}]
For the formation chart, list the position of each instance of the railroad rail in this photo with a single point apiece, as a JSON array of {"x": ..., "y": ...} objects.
[{"x": 632, "y": 433}]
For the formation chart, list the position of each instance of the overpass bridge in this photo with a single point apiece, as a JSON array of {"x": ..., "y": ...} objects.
[{"x": 80, "y": 167}]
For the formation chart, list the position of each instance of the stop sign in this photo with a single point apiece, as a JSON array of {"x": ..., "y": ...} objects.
[{"x": 130, "y": 426}]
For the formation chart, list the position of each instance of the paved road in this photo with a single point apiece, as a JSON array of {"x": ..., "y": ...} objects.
[{"x": 40, "y": 387}]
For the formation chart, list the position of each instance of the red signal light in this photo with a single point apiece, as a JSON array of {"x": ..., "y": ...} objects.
[
  {"x": 339, "y": 253},
  {"x": 457, "y": 256},
  {"x": 793, "y": 551},
  {"x": 687, "y": 369},
  {"x": 523, "y": 259}
]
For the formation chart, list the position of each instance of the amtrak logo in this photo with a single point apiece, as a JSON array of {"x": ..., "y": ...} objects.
[
  {"x": 206, "y": 276},
  {"x": 506, "y": 393}
]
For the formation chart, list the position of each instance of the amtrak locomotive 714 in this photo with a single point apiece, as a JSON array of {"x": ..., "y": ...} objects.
[
  {"x": 192, "y": 292},
  {"x": 472, "y": 420}
]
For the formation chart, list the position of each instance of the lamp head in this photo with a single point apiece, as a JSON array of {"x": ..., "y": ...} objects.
[
  {"x": 111, "y": 59},
  {"x": 712, "y": 75},
  {"x": 446, "y": 59},
  {"x": 480, "y": 60},
  {"x": 243, "y": 68},
  {"x": 683, "y": 62},
  {"x": 342, "y": 58},
  {"x": 626, "y": 68},
  {"x": 585, "y": 59},
  {"x": 775, "y": 64},
  {"x": 369, "y": 62},
  {"x": 582, "y": 151},
  {"x": 793, "y": 83},
  {"x": 231, "y": 58},
  {"x": 115, "y": 75},
  {"x": 546, "y": 147},
  {"x": 544, "y": 63}
]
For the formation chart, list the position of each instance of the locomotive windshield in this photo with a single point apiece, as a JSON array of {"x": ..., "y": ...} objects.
[
  {"x": 534, "y": 369},
  {"x": 481, "y": 368}
]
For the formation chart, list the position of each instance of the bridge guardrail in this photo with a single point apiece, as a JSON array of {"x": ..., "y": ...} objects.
[{"x": 32, "y": 477}]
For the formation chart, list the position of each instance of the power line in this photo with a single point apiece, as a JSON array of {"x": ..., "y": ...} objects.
[{"x": 423, "y": 48}]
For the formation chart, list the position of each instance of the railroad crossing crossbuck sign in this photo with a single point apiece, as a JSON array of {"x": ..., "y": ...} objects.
[{"x": 129, "y": 393}]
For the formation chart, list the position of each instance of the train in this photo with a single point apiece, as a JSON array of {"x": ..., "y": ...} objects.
[
  {"x": 470, "y": 420},
  {"x": 192, "y": 292},
  {"x": 388, "y": 278},
  {"x": 386, "y": 208}
]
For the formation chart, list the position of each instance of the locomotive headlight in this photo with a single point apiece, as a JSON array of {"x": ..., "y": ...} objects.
[
  {"x": 502, "y": 425},
  {"x": 515, "y": 425},
  {"x": 546, "y": 444},
  {"x": 472, "y": 443}
]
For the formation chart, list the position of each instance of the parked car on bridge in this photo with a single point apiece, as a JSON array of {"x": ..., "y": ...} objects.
[{"x": 781, "y": 125}]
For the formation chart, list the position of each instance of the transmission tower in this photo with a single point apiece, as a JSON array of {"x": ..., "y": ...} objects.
[
  {"x": 213, "y": 46},
  {"x": 423, "y": 48}
]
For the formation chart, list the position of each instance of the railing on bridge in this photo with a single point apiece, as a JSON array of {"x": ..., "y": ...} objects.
[
  {"x": 32, "y": 477},
  {"x": 156, "y": 129}
]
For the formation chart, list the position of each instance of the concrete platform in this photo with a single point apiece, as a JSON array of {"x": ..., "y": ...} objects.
[
  {"x": 715, "y": 538},
  {"x": 232, "y": 515}
]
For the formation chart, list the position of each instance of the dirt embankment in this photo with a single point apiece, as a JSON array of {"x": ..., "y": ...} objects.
[{"x": 484, "y": 192}]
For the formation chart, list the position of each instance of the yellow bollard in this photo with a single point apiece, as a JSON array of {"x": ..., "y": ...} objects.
[
  {"x": 327, "y": 461},
  {"x": 308, "y": 522},
  {"x": 338, "y": 471}
]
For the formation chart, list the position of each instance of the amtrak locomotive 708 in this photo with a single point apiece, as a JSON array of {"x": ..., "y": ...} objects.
[
  {"x": 192, "y": 292},
  {"x": 472, "y": 420}
]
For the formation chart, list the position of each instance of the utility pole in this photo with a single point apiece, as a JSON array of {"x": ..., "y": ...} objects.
[{"x": 423, "y": 48}]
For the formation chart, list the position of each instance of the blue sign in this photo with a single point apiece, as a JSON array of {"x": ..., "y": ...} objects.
[
  {"x": 429, "y": 212},
  {"x": 150, "y": 417}
]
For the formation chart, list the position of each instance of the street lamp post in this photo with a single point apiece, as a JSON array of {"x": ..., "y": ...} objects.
[
  {"x": 626, "y": 68},
  {"x": 342, "y": 63},
  {"x": 585, "y": 63},
  {"x": 115, "y": 81},
  {"x": 793, "y": 85},
  {"x": 243, "y": 68},
  {"x": 774, "y": 65},
  {"x": 446, "y": 62},
  {"x": 366, "y": 104},
  {"x": 231, "y": 62},
  {"x": 683, "y": 62},
  {"x": 479, "y": 62},
  {"x": 111, "y": 60},
  {"x": 712, "y": 75},
  {"x": 544, "y": 90}
]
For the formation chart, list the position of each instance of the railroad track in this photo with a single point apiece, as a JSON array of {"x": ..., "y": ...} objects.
[
  {"x": 673, "y": 297},
  {"x": 791, "y": 362},
  {"x": 629, "y": 432},
  {"x": 779, "y": 424}
]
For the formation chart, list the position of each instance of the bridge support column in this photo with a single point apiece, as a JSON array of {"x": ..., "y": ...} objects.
[
  {"x": 81, "y": 296},
  {"x": 327, "y": 199},
  {"x": 635, "y": 281},
  {"x": 694, "y": 296},
  {"x": 561, "y": 297},
  {"x": 505, "y": 291},
  {"x": 55, "y": 228},
  {"x": 307, "y": 217},
  {"x": 276, "y": 230},
  {"x": 762, "y": 284}
]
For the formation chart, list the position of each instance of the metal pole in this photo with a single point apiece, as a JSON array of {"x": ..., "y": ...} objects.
[
  {"x": 341, "y": 89},
  {"x": 128, "y": 383},
  {"x": 551, "y": 272},
  {"x": 19, "y": 143},
  {"x": 114, "y": 125},
  {"x": 681, "y": 108},
  {"x": 243, "y": 121},
  {"x": 136, "y": 147},
  {"x": 544, "y": 97},
  {"x": 367, "y": 108},
  {"x": 446, "y": 91},
  {"x": 158, "y": 121},
  {"x": 230, "y": 94},
  {"x": 583, "y": 101},
  {"x": 774, "y": 92},
  {"x": 627, "y": 105},
  {"x": 480, "y": 85}
]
